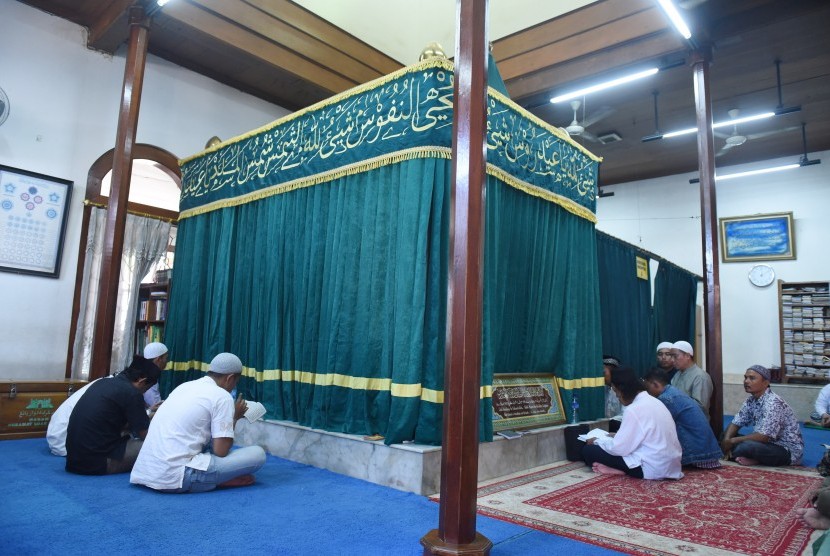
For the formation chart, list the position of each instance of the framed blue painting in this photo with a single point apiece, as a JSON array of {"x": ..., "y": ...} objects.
[{"x": 763, "y": 237}]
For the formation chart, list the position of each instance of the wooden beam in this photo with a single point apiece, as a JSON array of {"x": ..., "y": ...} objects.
[
  {"x": 314, "y": 25},
  {"x": 662, "y": 44},
  {"x": 278, "y": 32},
  {"x": 709, "y": 226},
  {"x": 106, "y": 20},
  {"x": 456, "y": 533},
  {"x": 117, "y": 212},
  {"x": 238, "y": 38},
  {"x": 584, "y": 20},
  {"x": 612, "y": 35}
]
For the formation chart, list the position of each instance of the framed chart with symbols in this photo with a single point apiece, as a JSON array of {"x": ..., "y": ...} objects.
[{"x": 33, "y": 210}]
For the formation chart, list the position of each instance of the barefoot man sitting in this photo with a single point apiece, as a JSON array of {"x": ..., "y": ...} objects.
[
  {"x": 776, "y": 439},
  {"x": 646, "y": 446},
  {"x": 188, "y": 446}
]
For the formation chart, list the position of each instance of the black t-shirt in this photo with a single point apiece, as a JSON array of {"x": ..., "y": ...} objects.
[{"x": 96, "y": 425}]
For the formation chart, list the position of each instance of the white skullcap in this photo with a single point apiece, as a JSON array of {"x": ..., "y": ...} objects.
[
  {"x": 664, "y": 345},
  {"x": 226, "y": 364},
  {"x": 154, "y": 349},
  {"x": 684, "y": 346}
]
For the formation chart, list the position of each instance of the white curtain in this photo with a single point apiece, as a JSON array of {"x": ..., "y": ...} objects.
[{"x": 145, "y": 242}]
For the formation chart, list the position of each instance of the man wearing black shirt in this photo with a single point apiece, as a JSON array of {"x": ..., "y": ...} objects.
[{"x": 97, "y": 442}]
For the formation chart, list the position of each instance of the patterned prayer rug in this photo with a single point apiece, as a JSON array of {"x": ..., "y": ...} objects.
[{"x": 732, "y": 510}]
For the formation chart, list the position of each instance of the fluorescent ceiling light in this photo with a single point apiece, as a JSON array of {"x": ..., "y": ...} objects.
[
  {"x": 757, "y": 172},
  {"x": 675, "y": 18},
  {"x": 736, "y": 121},
  {"x": 162, "y": 2},
  {"x": 606, "y": 85},
  {"x": 804, "y": 162}
]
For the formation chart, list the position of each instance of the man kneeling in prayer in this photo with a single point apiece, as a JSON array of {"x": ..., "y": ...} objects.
[
  {"x": 646, "y": 446},
  {"x": 188, "y": 447},
  {"x": 777, "y": 437},
  {"x": 700, "y": 447}
]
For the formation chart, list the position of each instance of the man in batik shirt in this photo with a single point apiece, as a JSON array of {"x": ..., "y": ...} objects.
[{"x": 776, "y": 439}]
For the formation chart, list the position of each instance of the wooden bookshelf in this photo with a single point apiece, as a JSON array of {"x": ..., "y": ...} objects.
[
  {"x": 804, "y": 320},
  {"x": 151, "y": 314}
]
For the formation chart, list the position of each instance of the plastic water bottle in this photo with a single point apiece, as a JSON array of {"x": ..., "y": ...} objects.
[{"x": 574, "y": 409}]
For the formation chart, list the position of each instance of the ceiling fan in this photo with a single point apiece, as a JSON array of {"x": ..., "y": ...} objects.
[
  {"x": 736, "y": 139},
  {"x": 577, "y": 129}
]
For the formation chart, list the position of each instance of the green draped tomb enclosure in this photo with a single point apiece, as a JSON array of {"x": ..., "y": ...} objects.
[{"x": 315, "y": 248}]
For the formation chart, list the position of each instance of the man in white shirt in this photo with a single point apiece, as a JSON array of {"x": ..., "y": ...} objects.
[
  {"x": 822, "y": 413},
  {"x": 188, "y": 446}
]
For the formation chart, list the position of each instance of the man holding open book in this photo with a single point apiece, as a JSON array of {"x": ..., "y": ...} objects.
[{"x": 188, "y": 446}]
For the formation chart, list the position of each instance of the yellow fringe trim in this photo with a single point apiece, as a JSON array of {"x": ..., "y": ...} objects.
[
  {"x": 385, "y": 160},
  {"x": 335, "y": 379},
  {"x": 574, "y": 383},
  {"x": 535, "y": 119},
  {"x": 134, "y": 213},
  {"x": 430, "y": 63},
  {"x": 323, "y": 177},
  {"x": 536, "y": 191}
]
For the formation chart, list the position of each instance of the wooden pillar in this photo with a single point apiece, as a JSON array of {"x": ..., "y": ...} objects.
[
  {"x": 456, "y": 533},
  {"x": 119, "y": 193},
  {"x": 701, "y": 61}
]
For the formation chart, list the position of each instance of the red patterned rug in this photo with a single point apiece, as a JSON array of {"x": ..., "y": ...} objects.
[{"x": 732, "y": 510}]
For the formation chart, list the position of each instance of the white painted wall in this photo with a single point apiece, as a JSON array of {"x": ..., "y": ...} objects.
[
  {"x": 663, "y": 216},
  {"x": 64, "y": 113}
]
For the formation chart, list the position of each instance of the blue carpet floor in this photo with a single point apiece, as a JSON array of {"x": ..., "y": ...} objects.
[{"x": 293, "y": 509}]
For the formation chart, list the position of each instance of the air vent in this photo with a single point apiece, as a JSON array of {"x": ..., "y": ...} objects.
[{"x": 609, "y": 137}]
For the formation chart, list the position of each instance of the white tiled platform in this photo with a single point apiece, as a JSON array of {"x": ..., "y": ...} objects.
[{"x": 408, "y": 467}]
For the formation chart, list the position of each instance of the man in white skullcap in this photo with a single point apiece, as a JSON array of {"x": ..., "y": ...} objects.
[
  {"x": 157, "y": 353},
  {"x": 665, "y": 359},
  {"x": 188, "y": 446},
  {"x": 690, "y": 378}
]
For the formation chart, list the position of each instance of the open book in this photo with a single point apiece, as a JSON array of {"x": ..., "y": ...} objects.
[
  {"x": 593, "y": 433},
  {"x": 255, "y": 411}
]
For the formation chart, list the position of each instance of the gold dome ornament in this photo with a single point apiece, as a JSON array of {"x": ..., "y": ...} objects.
[
  {"x": 212, "y": 142},
  {"x": 432, "y": 50}
]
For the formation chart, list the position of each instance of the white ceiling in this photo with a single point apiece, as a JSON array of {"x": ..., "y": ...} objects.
[{"x": 402, "y": 28}]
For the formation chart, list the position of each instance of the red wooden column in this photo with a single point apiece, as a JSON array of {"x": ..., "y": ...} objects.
[
  {"x": 456, "y": 533},
  {"x": 117, "y": 208},
  {"x": 709, "y": 224}
]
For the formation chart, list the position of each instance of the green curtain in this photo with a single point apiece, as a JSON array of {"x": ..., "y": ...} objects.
[
  {"x": 334, "y": 297},
  {"x": 625, "y": 304},
  {"x": 541, "y": 300},
  {"x": 675, "y": 299}
]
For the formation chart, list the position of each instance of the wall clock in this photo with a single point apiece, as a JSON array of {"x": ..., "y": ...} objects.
[{"x": 761, "y": 275}]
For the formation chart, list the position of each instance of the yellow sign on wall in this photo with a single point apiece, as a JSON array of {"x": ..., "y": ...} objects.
[{"x": 642, "y": 268}]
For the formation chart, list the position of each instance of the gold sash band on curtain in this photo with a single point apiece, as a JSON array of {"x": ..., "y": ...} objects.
[{"x": 336, "y": 379}]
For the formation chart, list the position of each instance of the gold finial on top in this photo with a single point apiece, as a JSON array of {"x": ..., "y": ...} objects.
[
  {"x": 212, "y": 142},
  {"x": 432, "y": 50}
]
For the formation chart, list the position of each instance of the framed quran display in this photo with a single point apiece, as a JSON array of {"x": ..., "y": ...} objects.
[{"x": 523, "y": 401}]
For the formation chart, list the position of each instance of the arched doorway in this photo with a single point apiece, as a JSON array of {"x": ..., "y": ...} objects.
[{"x": 153, "y": 202}]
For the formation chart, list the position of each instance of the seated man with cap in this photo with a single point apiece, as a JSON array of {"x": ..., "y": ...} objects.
[
  {"x": 613, "y": 407},
  {"x": 665, "y": 359},
  {"x": 188, "y": 447},
  {"x": 95, "y": 439},
  {"x": 690, "y": 378},
  {"x": 776, "y": 439},
  {"x": 157, "y": 353}
]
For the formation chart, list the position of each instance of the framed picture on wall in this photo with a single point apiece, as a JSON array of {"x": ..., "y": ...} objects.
[
  {"x": 33, "y": 210},
  {"x": 762, "y": 237}
]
